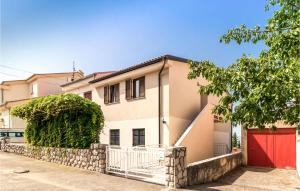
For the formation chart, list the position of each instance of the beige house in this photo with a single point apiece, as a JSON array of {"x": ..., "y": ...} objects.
[
  {"x": 16, "y": 92},
  {"x": 80, "y": 86},
  {"x": 153, "y": 103}
]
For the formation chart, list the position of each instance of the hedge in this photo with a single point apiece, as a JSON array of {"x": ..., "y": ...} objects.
[{"x": 66, "y": 120}]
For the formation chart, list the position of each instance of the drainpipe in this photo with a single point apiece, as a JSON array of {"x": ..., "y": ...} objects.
[{"x": 159, "y": 99}]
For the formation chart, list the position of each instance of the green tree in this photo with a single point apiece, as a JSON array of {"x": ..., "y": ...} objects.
[
  {"x": 238, "y": 144},
  {"x": 265, "y": 88},
  {"x": 234, "y": 140},
  {"x": 61, "y": 121}
]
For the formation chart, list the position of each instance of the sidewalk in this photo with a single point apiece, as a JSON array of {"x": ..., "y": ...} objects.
[{"x": 53, "y": 177}]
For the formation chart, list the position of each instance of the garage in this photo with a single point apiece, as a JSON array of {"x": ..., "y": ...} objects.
[{"x": 275, "y": 149}]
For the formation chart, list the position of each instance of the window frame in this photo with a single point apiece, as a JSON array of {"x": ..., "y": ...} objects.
[
  {"x": 19, "y": 134},
  {"x": 108, "y": 93},
  {"x": 139, "y": 137},
  {"x": 31, "y": 89},
  {"x": 131, "y": 88},
  {"x": 116, "y": 142},
  {"x": 88, "y": 93}
]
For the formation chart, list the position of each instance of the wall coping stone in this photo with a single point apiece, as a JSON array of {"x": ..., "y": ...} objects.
[{"x": 212, "y": 159}]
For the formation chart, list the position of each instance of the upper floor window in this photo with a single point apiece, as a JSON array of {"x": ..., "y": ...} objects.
[
  {"x": 88, "y": 95},
  {"x": 31, "y": 89},
  {"x": 135, "y": 88},
  {"x": 34, "y": 89},
  {"x": 111, "y": 94}
]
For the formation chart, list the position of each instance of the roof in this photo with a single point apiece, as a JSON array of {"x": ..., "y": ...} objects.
[
  {"x": 93, "y": 75},
  {"x": 141, "y": 65},
  {"x": 13, "y": 101},
  {"x": 41, "y": 74}
]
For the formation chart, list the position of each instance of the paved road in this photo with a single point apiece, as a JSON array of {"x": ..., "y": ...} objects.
[{"x": 47, "y": 176}]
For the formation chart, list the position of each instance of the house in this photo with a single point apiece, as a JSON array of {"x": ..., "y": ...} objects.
[
  {"x": 80, "y": 86},
  {"x": 16, "y": 92},
  {"x": 154, "y": 104},
  {"x": 272, "y": 149}
]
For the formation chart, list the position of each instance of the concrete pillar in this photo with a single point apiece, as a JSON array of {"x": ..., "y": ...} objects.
[{"x": 244, "y": 146}]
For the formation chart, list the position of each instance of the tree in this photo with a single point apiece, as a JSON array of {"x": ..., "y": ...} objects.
[
  {"x": 66, "y": 120},
  {"x": 234, "y": 140},
  {"x": 238, "y": 144},
  {"x": 265, "y": 88}
]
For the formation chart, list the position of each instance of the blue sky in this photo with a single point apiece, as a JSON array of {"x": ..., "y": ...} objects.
[{"x": 47, "y": 35}]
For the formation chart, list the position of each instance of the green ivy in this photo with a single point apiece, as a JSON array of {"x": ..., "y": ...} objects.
[{"x": 61, "y": 121}]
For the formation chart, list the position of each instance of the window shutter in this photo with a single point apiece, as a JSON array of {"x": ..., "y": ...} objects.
[
  {"x": 117, "y": 93},
  {"x": 128, "y": 89},
  {"x": 88, "y": 95},
  {"x": 142, "y": 86},
  {"x": 106, "y": 95}
]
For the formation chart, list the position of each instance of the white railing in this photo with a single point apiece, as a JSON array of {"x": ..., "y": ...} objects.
[
  {"x": 221, "y": 149},
  {"x": 142, "y": 162}
]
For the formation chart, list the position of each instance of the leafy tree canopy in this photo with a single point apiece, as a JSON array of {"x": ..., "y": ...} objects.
[
  {"x": 61, "y": 121},
  {"x": 267, "y": 87}
]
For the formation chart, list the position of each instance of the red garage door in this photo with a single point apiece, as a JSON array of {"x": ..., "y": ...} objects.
[{"x": 272, "y": 149}]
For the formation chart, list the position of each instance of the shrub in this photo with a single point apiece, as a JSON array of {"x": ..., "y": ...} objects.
[{"x": 61, "y": 121}]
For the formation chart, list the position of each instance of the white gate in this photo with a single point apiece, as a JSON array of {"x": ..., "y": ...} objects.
[{"x": 146, "y": 163}]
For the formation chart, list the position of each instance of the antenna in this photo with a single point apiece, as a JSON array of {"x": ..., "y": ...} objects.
[{"x": 73, "y": 74}]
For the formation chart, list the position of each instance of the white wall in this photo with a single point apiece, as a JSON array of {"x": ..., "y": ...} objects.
[
  {"x": 16, "y": 91},
  {"x": 222, "y": 133},
  {"x": 134, "y": 114},
  {"x": 5, "y": 117}
]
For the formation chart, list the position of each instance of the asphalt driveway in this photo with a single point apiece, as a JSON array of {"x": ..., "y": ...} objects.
[
  {"x": 53, "y": 177},
  {"x": 254, "y": 179}
]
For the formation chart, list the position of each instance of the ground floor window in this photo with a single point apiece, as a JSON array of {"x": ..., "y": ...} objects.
[
  {"x": 114, "y": 137},
  {"x": 138, "y": 137}
]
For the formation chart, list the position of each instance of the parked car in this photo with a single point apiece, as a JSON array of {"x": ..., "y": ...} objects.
[{"x": 14, "y": 135}]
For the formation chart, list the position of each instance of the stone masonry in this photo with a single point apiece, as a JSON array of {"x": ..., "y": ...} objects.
[
  {"x": 178, "y": 174},
  {"x": 90, "y": 159},
  {"x": 175, "y": 162},
  {"x": 210, "y": 170}
]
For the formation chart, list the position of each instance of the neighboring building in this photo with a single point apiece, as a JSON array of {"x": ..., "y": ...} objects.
[
  {"x": 273, "y": 149},
  {"x": 153, "y": 103},
  {"x": 81, "y": 86},
  {"x": 16, "y": 92}
]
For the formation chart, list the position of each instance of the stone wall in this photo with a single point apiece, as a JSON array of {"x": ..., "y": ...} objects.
[
  {"x": 212, "y": 169},
  {"x": 175, "y": 162},
  {"x": 178, "y": 174},
  {"x": 90, "y": 159}
]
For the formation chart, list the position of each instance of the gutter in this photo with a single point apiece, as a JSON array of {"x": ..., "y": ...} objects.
[{"x": 159, "y": 99}]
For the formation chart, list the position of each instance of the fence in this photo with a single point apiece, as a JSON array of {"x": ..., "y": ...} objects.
[
  {"x": 146, "y": 163},
  {"x": 221, "y": 149},
  {"x": 153, "y": 164}
]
